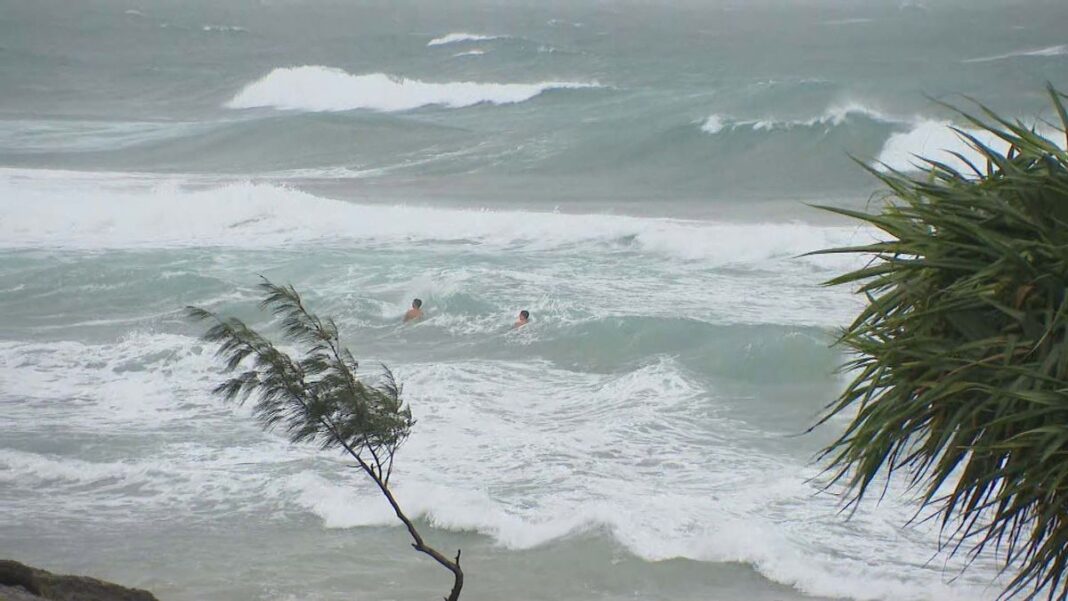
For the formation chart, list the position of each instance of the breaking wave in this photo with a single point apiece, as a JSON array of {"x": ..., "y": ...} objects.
[
  {"x": 834, "y": 116},
  {"x": 318, "y": 88},
  {"x": 941, "y": 141},
  {"x": 103, "y": 214}
]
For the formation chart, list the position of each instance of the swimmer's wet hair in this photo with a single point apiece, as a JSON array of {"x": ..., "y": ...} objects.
[
  {"x": 524, "y": 314},
  {"x": 418, "y": 302}
]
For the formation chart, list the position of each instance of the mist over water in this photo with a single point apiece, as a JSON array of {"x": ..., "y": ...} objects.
[{"x": 634, "y": 175}]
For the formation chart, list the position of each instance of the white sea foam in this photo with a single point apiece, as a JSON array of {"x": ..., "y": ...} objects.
[
  {"x": 43, "y": 212},
  {"x": 148, "y": 388},
  {"x": 667, "y": 526},
  {"x": 113, "y": 384},
  {"x": 475, "y": 52},
  {"x": 524, "y": 468},
  {"x": 937, "y": 140},
  {"x": 20, "y": 466},
  {"x": 713, "y": 124},
  {"x": 709, "y": 500},
  {"x": 178, "y": 479},
  {"x": 1058, "y": 50},
  {"x": 934, "y": 140},
  {"x": 455, "y": 38},
  {"x": 318, "y": 88}
]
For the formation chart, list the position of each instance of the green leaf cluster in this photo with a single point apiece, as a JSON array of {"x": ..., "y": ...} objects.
[
  {"x": 317, "y": 397},
  {"x": 960, "y": 355}
]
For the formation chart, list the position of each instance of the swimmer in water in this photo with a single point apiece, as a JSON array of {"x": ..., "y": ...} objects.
[
  {"x": 416, "y": 312},
  {"x": 524, "y": 318}
]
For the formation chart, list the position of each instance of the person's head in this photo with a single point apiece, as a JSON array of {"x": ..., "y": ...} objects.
[
  {"x": 416, "y": 303},
  {"x": 524, "y": 315}
]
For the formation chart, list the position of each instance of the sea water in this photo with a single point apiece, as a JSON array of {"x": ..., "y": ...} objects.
[{"x": 636, "y": 175}]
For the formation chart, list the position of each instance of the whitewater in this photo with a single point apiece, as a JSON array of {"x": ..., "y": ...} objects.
[{"x": 640, "y": 178}]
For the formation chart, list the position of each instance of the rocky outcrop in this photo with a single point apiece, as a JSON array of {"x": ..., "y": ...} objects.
[{"x": 20, "y": 582}]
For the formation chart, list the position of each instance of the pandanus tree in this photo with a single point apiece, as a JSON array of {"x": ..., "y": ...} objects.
[
  {"x": 318, "y": 397},
  {"x": 960, "y": 356}
]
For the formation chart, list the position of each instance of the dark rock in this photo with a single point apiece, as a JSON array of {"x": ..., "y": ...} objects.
[
  {"x": 16, "y": 593},
  {"x": 20, "y": 582}
]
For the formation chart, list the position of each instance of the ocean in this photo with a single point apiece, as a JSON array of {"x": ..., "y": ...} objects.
[{"x": 638, "y": 175}]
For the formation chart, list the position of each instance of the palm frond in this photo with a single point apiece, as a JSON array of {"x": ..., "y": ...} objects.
[{"x": 960, "y": 368}]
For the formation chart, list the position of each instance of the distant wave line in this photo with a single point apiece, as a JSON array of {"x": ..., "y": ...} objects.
[
  {"x": 1058, "y": 50},
  {"x": 455, "y": 38}
]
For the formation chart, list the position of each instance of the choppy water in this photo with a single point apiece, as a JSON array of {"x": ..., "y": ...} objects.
[{"x": 632, "y": 174}]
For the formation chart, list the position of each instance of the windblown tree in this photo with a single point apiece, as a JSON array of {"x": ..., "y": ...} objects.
[
  {"x": 318, "y": 397},
  {"x": 961, "y": 356}
]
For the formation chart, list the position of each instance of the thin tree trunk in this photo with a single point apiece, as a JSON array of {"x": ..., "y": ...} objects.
[{"x": 417, "y": 544}]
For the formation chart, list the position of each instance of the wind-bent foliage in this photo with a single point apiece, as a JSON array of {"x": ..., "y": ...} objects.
[
  {"x": 961, "y": 354},
  {"x": 319, "y": 397}
]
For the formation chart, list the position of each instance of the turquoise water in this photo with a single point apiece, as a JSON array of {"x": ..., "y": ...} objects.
[{"x": 634, "y": 175}]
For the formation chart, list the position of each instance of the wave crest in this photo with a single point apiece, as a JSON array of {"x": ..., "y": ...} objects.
[
  {"x": 319, "y": 88},
  {"x": 834, "y": 116},
  {"x": 455, "y": 38},
  {"x": 672, "y": 526}
]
